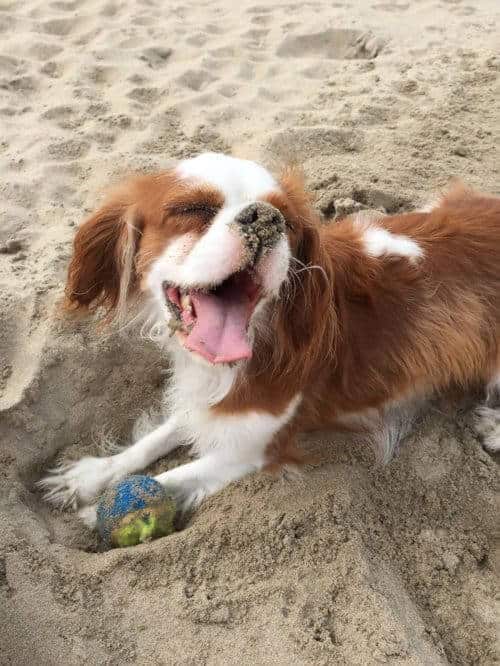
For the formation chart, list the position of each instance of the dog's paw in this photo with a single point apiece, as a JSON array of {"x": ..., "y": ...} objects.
[
  {"x": 88, "y": 515},
  {"x": 487, "y": 425},
  {"x": 187, "y": 495},
  {"x": 76, "y": 483},
  {"x": 190, "y": 500}
]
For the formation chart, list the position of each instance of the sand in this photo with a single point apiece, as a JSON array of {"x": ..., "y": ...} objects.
[{"x": 382, "y": 102}]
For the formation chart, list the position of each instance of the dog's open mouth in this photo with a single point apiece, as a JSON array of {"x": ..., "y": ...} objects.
[{"x": 214, "y": 323}]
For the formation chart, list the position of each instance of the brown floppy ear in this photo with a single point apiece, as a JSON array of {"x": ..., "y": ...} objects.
[
  {"x": 102, "y": 270},
  {"x": 300, "y": 203},
  {"x": 306, "y": 322}
]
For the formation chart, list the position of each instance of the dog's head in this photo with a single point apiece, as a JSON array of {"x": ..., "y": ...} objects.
[{"x": 210, "y": 241}]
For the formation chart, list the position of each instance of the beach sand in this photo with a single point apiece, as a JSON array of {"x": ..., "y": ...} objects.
[{"x": 382, "y": 102}]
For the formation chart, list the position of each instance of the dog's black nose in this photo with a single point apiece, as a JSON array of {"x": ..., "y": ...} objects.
[
  {"x": 260, "y": 213},
  {"x": 261, "y": 226},
  {"x": 248, "y": 215}
]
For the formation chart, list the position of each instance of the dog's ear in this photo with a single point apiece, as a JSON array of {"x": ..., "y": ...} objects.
[
  {"x": 306, "y": 321},
  {"x": 299, "y": 200},
  {"x": 102, "y": 269}
]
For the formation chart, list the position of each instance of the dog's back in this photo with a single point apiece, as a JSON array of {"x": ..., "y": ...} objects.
[{"x": 418, "y": 302}]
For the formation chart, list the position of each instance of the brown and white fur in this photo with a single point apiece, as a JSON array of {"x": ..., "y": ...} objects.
[{"x": 348, "y": 323}]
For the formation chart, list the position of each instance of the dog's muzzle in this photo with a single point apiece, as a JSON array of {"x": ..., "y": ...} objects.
[{"x": 261, "y": 225}]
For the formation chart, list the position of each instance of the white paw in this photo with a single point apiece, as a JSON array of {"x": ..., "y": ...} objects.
[
  {"x": 487, "y": 424},
  {"x": 187, "y": 498},
  {"x": 187, "y": 495},
  {"x": 492, "y": 442},
  {"x": 76, "y": 483},
  {"x": 191, "y": 499}
]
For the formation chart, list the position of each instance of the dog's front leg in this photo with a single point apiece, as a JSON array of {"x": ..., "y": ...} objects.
[
  {"x": 192, "y": 482},
  {"x": 231, "y": 446},
  {"x": 80, "y": 482}
]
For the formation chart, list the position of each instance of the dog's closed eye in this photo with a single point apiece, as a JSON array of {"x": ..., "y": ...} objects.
[{"x": 205, "y": 211}]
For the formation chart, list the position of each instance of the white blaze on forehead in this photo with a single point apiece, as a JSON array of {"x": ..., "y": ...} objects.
[
  {"x": 238, "y": 180},
  {"x": 216, "y": 255},
  {"x": 191, "y": 261}
]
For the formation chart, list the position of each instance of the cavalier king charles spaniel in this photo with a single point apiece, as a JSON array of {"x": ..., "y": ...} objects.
[{"x": 277, "y": 323}]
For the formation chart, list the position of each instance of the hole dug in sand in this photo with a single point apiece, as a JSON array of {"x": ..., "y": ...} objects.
[{"x": 333, "y": 44}]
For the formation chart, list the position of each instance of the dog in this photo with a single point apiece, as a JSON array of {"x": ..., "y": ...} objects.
[{"x": 277, "y": 323}]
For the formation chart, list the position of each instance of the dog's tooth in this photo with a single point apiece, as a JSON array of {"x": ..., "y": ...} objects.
[{"x": 186, "y": 302}]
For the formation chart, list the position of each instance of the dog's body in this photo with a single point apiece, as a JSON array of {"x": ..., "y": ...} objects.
[{"x": 281, "y": 324}]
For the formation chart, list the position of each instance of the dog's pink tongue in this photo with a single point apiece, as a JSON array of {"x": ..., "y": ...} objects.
[{"x": 220, "y": 331}]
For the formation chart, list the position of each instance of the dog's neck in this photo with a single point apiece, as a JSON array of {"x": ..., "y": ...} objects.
[{"x": 195, "y": 383}]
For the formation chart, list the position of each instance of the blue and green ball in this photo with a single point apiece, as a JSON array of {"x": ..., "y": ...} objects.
[{"x": 134, "y": 510}]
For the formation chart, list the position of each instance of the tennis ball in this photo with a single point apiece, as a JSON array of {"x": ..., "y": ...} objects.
[{"x": 134, "y": 510}]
